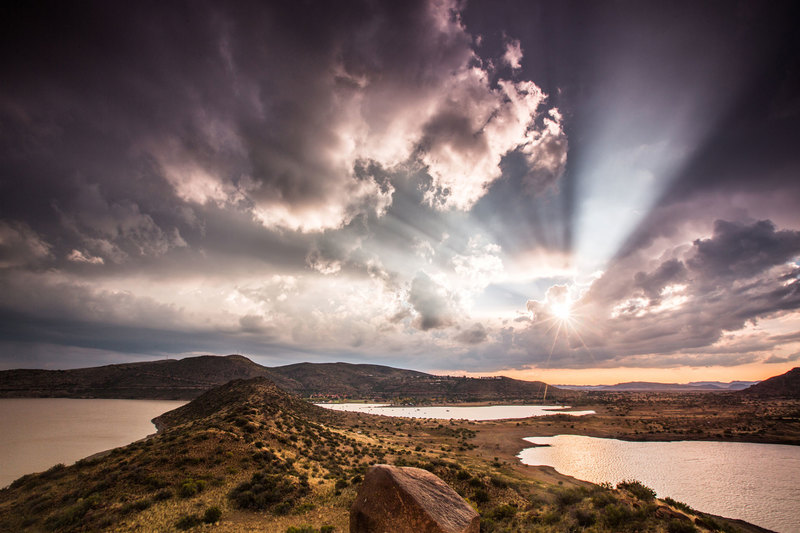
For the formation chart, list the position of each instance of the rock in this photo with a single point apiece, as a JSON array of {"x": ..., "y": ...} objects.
[{"x": 409, "y": 500}]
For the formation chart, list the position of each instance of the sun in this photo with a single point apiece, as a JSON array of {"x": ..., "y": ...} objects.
[{"x": 562, "y": 310}]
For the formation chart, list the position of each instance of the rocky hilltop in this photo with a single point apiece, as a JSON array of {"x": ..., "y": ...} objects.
[{"x": 188, "y": 378}]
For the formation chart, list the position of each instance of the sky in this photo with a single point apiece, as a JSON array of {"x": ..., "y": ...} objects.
[{"x": 579, "y": 192}]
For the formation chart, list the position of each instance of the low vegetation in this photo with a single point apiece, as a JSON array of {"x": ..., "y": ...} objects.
[{"x": 247, "y": 455}]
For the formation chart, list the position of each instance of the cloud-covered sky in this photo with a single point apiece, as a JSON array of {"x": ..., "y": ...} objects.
[{"x": 557, "y": 189}]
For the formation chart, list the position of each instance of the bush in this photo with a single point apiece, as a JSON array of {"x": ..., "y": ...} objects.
[
  {"x": 616, "y": 515},
  {"x": 567, "y": 497},
  {"x": 188, "y": 522},
  {"x": 326, "y": 529},
  {"x": 678, "y": 505},
  {"x": 585, "y": 518},
  {"x": 638, "y": 489},
  {"x": 162, "y": 495},
  {"x": 502, "y": 512},
  {"x": 73, "y": 514},
  {"x": 602, "y": 499},
  {"x": 301, "y": 529},
  {"x": 680, "y": 526},
  {"x": 191, "y": 487},
  {"x": 136, "y": 506},
  {"x": 212, "y": 515},
  {"x": 480, "y": 496}
]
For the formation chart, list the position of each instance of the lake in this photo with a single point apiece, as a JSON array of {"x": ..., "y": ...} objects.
[
  {"x": 37, "y": 433},
  {"x": 754, "y": 482},
  {"x": 486, "y": 412}
]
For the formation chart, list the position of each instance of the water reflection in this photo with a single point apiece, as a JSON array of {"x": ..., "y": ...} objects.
[
  {"x": 754, "y": 482},
  {"x": 37, "y": 433},
  {"x": 486, "y": 412}
]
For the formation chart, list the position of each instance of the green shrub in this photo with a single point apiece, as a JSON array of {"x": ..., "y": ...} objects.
[
  {"x": 480, "y": 496},
  {"x": 136, "y": 506},
  {"x": 162, "y": 495},
  {"x": 585, "y": 518},
  {"x": 268, "y": 492},
  {"x": 616, "y": 515},
  {"x": 326, "y": 529},
  {"x": 188, "y": 522},
  {"x": 678, "y": 505},
  {"x": 601, "y": 499},
  {"x": 550, "y": 517},
  {"x": 191, "y": 487},
  {"x": 212, "y": 515},
  {"x": 680, "y": 526},
  {"x": 74, "y": 513},
  {"x": 712, "y": 523},
  {"x": 502, "y": 512},
  {"x": 301, "y": 529},
  {"x": 567, "y": 497},
  {"x": 637, "y": 489}
]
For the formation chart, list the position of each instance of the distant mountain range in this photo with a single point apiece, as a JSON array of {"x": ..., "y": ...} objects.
[
  {"x": 188, "y": 378},
  {"x": 648, "y": 386}
]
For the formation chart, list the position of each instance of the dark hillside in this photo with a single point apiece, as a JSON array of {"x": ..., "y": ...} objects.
[
  {"x": 169, "y": 379},
  {"x": 382, "y": 382},
  {"x": 786, "y": 385},
  {"x": 190, "y": 377}
]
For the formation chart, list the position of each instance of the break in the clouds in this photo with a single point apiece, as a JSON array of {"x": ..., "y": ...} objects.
[{"x": 433, "y": 184}]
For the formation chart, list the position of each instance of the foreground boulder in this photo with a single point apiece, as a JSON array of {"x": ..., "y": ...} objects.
[{"x": 409, "y": 500}]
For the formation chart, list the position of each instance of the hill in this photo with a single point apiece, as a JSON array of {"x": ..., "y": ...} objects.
[
  {"x": 188, "y": 378},
  {"x": 785, "y": 385},
  {"x": 247, "y": 456},
  {"x": 648, "y": 386},
  {"x": 348, "y": 380},
  {"x": 168, "y": 379}
]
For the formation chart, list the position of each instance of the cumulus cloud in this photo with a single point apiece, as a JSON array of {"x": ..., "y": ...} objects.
[
  {"x": 114, "y": 231},
  {"x": 434, "y": 306},
  {"x": 683, "y": 308},
  {"x": 266, "y": 111},
  {"x": 775, "y": 359},
  {"x": 365, "y": 179},
  {"x": 20, "y": 245},
  {"x": 556, "y": 300},
  {"x": 741, "y": 251},
  {"x": 513, "y": 54},
  {"x": 475, "y": 334},
  {"x": 81, "y": 257}
]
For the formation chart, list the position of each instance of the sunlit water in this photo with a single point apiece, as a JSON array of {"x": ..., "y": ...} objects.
[
  {"x": 487, "y": 412},
  {"x": 759, "y": 483},
  {"x": 37, "y": 433}
]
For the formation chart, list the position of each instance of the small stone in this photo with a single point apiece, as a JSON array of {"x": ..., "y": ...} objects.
[{"x": 409, "y": 500}]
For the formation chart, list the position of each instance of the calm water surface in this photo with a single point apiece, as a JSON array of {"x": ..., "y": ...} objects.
[
  {"x": 488, "y": 412},
  {"x": 759, "y": 483},
  {"x": 37, "y": 433}
]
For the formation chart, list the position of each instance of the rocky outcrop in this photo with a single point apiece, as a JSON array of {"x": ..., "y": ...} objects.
[{"x": 409, "y": 500}]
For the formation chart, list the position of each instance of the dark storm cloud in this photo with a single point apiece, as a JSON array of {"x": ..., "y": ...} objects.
[
  {"x": 742, "y": 251},
  {"x": 652, "y": 284},
  {"x": 475, "y": 334}
]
